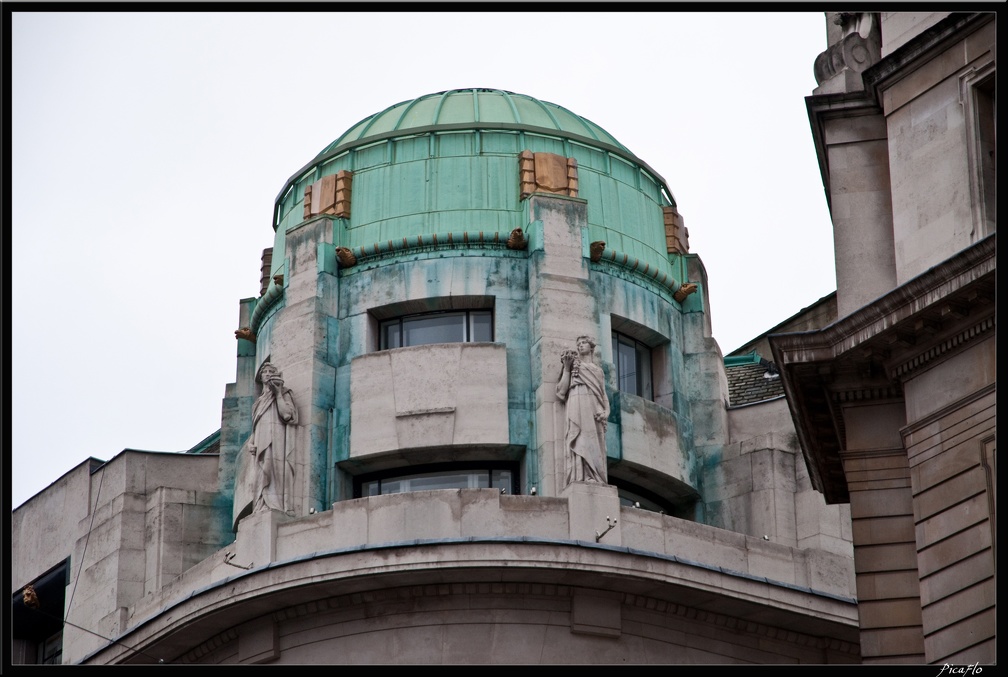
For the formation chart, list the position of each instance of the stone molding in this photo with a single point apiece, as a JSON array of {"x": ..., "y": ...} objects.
[
  {"x": 403, "y": 594},
  {"x": 873, "y": 345},
  {"x": 547, "y": 173},
  {"x": 676, "y": 232},
  {"x": 859, "y": 48},
  {"x": 924, "y": 47},
  {"x": 330, "y": 195},
  {"x": 935, "y": 353}
]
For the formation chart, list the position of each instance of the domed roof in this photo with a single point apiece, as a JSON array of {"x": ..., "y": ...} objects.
[{"x": 472, "y": 109}]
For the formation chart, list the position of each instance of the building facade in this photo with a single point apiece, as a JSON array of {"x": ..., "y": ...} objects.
[
  {"x": 478, "y": 417},
  {"x": 895, "y": 401}
]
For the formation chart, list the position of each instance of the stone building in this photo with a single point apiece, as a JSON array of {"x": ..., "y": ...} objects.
[
  {"x": 894, "y": 403},
  {"x": 478, "y": 417}
]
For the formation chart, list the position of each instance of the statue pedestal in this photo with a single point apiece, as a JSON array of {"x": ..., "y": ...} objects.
[
  {"x": 255, "y": 543},
  {"x": 589, "y": 504}
]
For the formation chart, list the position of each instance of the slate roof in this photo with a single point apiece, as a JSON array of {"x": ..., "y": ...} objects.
[{"x": 748, "y": 383}]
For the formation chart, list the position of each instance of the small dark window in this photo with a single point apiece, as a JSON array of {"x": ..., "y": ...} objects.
[
  {"x": 632, "y": 360},
  {"x": 37, "y": 622}
]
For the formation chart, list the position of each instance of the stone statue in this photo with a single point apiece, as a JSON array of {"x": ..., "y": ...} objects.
[
  {"x": 582, "y": 389},
  {"x": 272, "y": 443}
]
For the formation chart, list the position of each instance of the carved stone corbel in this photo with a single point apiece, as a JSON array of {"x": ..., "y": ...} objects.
[
  {"x": 517, "y": 240},
  {"x": 245, "y": 333},
  {"x": 685, "y": 289},
  {"x": 345, "y": 257},
  {"x": 859, "y": 47}
]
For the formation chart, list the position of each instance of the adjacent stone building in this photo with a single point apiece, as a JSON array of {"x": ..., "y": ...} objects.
[
  {"x": 469, "y": 298},
  {"x": 895, "y": 402}
]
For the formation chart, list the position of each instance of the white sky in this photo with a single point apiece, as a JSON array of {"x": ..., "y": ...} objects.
[{"x": 147, "y": 150}]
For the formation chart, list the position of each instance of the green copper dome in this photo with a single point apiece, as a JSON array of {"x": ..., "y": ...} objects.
[
  {"x": 476, "y": 110},
  {"x": 472, "y": 109},
  {"x": 449, "y": 163}
]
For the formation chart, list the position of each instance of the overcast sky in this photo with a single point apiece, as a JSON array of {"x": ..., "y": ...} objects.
[{"x": 147, "y": 150}]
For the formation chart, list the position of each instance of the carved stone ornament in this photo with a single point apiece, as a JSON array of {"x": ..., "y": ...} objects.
[
  {"x": 581, "y": 387},
  {"x": 329, "y": 195},
  {"x": 595, "y": 251},
  {"x": 274, "y": 420},
  {"x": 30, "y": 597},
  {"x": 245, "y": 333},
  {"x": 345, "y": 257},
  {"x": 547, "y": 173},
  {"x": 676, "y": 232},
  {"x": 517, "y": 240},
  {"x": 685, "y": 289},
  {"x": 859, "y": 48}
]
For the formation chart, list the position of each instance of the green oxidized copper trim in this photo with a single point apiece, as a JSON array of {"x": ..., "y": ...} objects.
[
  {"x": 273, "y": 294},
  {"x": 464, "y": 240},
  {"x": 643, "y": 269},
  {"x": 740, "y": 360}
]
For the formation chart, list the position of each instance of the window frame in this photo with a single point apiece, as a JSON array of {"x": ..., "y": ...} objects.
[
  {"x": 639, "y": 348},
  {"x": 468, "y": 327},
  {"x": 978, "y": 96},
  {"x": 456, "y": 467}
]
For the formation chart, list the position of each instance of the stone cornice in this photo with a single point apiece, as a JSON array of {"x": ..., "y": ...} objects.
[
  {"x": 308, "y": 584},
  {"x": 891, "y": 68},
  {"x": 907, "y": 367},
  {"x": 882, "y": 315},
  {"x": 565, "y": 592},
  {"x": 867, "y": 355}
]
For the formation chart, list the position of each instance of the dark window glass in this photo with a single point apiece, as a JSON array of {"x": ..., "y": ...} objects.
[
  {"x": 51, "y": 651},
  {"x": 442, "y": 328},
  {"x": 480, "y": 326},
  {"x": 391, "y": 334},
  {"x": 457, "y": 477},
  {"x": 986, "y": 105},
  {"x": 449, "y": 327},
  {"x": 632, "y": 360}
]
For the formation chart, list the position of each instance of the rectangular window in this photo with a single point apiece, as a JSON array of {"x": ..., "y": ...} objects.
[
  {"x": 449, "y": 478},
  {"x": 51, "y": 651},
  {"x": 632, "y": 360},
  {"x": 986, "y": 111},
  {"x": 467, "y": 326},
  {"x": 978, "y": 94}
]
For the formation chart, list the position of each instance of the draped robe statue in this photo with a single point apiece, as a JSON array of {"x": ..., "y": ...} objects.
[
  {"x": 582, "y": 389},
  {"x": 272, "y": 443}
]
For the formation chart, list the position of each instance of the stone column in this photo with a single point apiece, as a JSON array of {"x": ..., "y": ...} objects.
[{"x": 562, "y": 308}]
